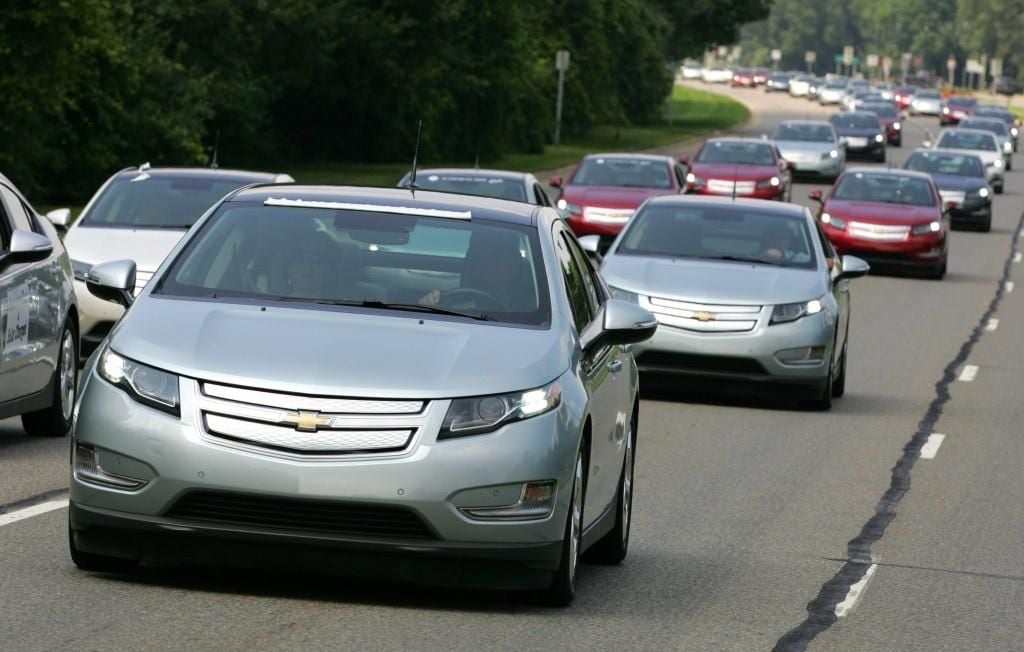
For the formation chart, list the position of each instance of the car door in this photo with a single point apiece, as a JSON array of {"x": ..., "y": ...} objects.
[
  {"x": 840, "y": 290},
  {"x": 29, "y": 302},
  {"x": 601, "y": 370}
]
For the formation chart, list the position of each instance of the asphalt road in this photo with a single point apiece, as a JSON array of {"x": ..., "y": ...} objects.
[{"x": 744, "y": 515}]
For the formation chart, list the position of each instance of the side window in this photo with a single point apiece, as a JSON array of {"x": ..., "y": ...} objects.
[
  {"x": 826, "y": 246},
  {"x": 15, "y": 209},
  {"x": 595, "y": 293},
  {"x": 680, "y": 175},
  {"x": 5, "y": 229},
  {"x": 574, "y": 285},
  {"x": 542, "y": 197}
]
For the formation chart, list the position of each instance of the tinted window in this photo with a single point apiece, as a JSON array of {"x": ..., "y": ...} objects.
[
  {"x": 959, "y": 139},
  {"x": 927, "y": 95},
  {"x": 160, "y": 201},
  {"x": 961, "y": 101},
  {"x": 882, "y": 110},
  {"x": 885, "y": 188},
  {"x": 719, "y": 233},
  {"x": 814, "y": 133},
  {"x": 624, "y": 172},
  {"x": 324, "y": 255},
  {"x": 736, "y": 153},
  {"x": 474, "y": 184},
  {"x": 574, "y": 286},
  {"x": 855, "y": 121},
  {"x": 937, "y": 163},
  {"x": 996, "y": 127},
  {"x": 15, "y": 210}
]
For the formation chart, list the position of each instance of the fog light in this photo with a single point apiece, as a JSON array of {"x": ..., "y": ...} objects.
[
  {"x": 88, "y": 469},
  {"x": 808, "y": 355},
  {"x": 536, "y": 501}
]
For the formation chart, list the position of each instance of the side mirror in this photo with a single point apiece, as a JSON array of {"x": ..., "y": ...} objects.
[
  {"x": 623, "y": 323},
  {"x": 112, "y": 281},
  {"x": 591, "y": 244},
  {"x": 26, "y": 247},
  {"x": 927, "y": 144},
  {"x": 816, "y": 196},
  {"x": 685, "y": 160},
  {"x": 853, "y": 267},
  {"x": 950, "y": 206},
  {"x": 60, "y": 217},
  {"x": 790, "y": 165},
  {"x": 555, "y": 182}
]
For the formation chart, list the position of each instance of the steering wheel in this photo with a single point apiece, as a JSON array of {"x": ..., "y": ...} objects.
[{"x": 471, "y": 299}]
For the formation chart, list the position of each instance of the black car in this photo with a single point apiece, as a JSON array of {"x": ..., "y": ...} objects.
[
  {"x": 777, "y": 83},
  {"x": 960, "y": 178},
  {"x": 1004, "y": 85},
  {"x": 862, "y": 134}
]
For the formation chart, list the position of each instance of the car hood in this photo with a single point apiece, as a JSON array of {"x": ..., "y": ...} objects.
[
  {"x": 804, "y": 147},
  {"x": 147, "y": 247},
  {"x": 329, "y": 351},
  {"x": 704, "y": 281},
  {"x": 958, "y": 182},
  {"x": 986, "y": 155},
  {"x": 878, "y": 212},
  {"x": 732, "y": 172},
  {"x": 612, "y": 196}
]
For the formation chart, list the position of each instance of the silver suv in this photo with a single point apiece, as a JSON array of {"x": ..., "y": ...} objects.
[{"x": 368, "y": 375}]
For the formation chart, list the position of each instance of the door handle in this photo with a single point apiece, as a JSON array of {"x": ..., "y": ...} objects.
[{"x": 615, "y": 366}]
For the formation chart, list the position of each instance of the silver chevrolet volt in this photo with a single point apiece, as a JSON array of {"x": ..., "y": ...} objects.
[
  {"x": 744, "y": 290},
  {"x": 425, "y": 385}
]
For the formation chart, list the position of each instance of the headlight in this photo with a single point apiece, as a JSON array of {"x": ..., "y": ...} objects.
[
  {"x": 149, "y": 386},
  {"x": 945, "y": 110},
  {"x": 834, "y": 222},
  {"x": 624, "y": 295},
  {"x": 930, "y": 227},
  {"x": 879, "y": 138},
  {"x": 772, "y": 182},
  {"x": 998, "y": 163},
  {"x": 694, "y": 180},
  {"x": 80, "y": 269},
  {"x": 983, "y": 192},
  {"x": 788, "y": 312},
  {"x": 1008, "y": 147},
  {"x": 480, "y": 414},
  {"x": 897, "y": 126},
  {"x": 561, "y": 203},
  {"x": 831, "y": 154},
  {"x": 1013, "y": 131}
]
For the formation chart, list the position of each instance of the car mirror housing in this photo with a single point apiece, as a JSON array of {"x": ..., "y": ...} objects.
[
  {"x": 555, "y": 182},
  {"x": 112, "y": 281},
  {"x": 26, "y": 247},
  {"x": 591, "y": 244},
  {"x": 625, "y": 323},
  {"x": 853, "y": 267},
  {"x": 59, "y": 217},
  {"x": 950, "y": 206},
  {"x": 685, "y": 160},
  {"x": 816, "y": 196}
]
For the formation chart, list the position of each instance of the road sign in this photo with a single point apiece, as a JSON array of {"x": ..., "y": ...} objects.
[
  {"x": 562, "y": 60},
  {"x": 723, "y": 50},
  {"x": 735, "y": 54},
  {"x": 995, "y": 67},
  {"x": 905, "y": 60},
  {"x": 810, "y": 56},
  {"x": 776, "y": 55},
  {"x": 872, "y": 61},
  {"x": 848, "y": 55},
  {"x": 975, "y": 67}
]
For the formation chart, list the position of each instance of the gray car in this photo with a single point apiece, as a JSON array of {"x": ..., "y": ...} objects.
[
  {"x": 812, "y": 146},
  {"x": 744, "y": 290},
  {"x": 38, "y": 320},
  {"x": 434, "y": 386}
]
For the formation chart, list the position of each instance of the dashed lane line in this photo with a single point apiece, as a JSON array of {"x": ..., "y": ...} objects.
[
  {"x": 931, "y": 447},
  {"x": 969, "y": 373}
]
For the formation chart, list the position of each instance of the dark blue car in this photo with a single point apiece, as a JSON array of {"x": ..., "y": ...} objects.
[
  {"x": 963, "y": 186},
  {"x": 862, "y": 133}
]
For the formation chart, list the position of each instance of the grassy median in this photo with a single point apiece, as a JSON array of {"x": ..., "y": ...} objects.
[{"x": 688, "y": 113}]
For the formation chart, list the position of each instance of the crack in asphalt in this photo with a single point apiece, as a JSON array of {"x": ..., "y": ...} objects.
[{"x": 821, "y": 612}]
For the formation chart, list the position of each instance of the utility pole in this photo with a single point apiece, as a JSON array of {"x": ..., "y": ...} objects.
[{"x": 561, "y": 65}]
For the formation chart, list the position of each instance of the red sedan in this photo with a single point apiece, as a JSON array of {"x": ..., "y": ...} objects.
[
  {"x": 743, "y": 77},
  {"x": 888, "y": 217},
  {"x": 904, "y": 95},
  {"x": 956, "y": 108},
  {"x": 744, "y": 167},
  {"x": 604, "y": 190}
]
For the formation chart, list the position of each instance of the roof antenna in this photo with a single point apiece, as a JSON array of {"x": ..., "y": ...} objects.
[
  {"x": 476, "y": 163},
  {"x": 415, "y": 155},
  {"x": 735, "y": 182},
  {"x": 216, "y": 147}
]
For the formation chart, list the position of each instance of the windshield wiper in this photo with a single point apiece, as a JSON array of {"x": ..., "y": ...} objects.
[
  {"x": 742, "y": 259},
  {"x": 419, "y": 307}
]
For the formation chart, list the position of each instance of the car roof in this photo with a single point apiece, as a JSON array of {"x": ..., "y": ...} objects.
[
  {"x": 202, "y": 173},
  {"x": 763, "y": 205},
  {"x": 897, "y": 172},
  {"x": 626, "y": 155},
  {"x": 480, "y": 172},
  {"x": 817, "y": 123},
  {"x": 501, "y": 210},
  {"x": 737, "y": 139}
]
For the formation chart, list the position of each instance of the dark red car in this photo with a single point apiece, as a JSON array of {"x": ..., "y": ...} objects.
[
  {"x": 744, "y": 167},
  {"x": 604, "y": 189},
  {"x": 887, "y": 217},
  {"x": 743, "y": 77},
  {"x": 760, "y": 76},
  {"x": 904, "y": 95},
  {"x": 889, "y": 116},
  {"x": 956, "y": 108}
]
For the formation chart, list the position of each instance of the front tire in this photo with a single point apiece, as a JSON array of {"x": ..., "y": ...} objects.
[
  {"x": 611, "y": 549},
  {"x": 94, "y": 563},
  {"x": 562, "y": 590},
  {"x": 56, "y": 420},
  {"x": 839, "y": 385}
]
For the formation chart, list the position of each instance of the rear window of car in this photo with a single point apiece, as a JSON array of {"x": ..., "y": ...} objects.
[
  {"x": 346, "y": 257},
  {"x": 623, "y": 172},
  {"x": 738, "y": 234},
  {"x": 855, "y": 121},
  {"x": 160, "y": 201},
  {"x": 474, "y": 184},
  {"x": 963, "y": 165},
  {"x": 885, "y": 188},
  {"x": 882, "y": 110},
  {"x": 736, "y": 153},
  {"x": 960, "y": 139}
]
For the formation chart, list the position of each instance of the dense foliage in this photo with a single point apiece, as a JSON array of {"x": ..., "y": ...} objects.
[
  {"x": 94, "y": 85},
  {"x": 931, "y": 29}
]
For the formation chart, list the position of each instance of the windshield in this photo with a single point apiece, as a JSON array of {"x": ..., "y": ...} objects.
[
  {"x": 736, "y": 153},
  {"x": 885, "y": 188},
  {"x": 961, "y": 101},
  {"x": 474, "y": 184},
  {"x": 719, "y": 233},
  {"x": 882, "y": 110},
  {"x": 855, "y": 121},
  {"x": 811, "y": 133},
  {"x": 272, "y": 253},
  {"x": 927, "y": 95},
  {"x": 623, "y": 172},
  {"x": 963, "y": 165},
  {"x": 959, "y": 139},
  {"x": 160, "y": 201},
  {"x": 995, "y": 126}
]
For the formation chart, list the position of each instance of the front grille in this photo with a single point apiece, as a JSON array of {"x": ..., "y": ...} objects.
[
  {"x": 726, "y": 187},
  {"x": 608, "y": 215},
  {"x": 703, "y": 317},
  {"x": 879, "y": 232},
  {"x": 315, "y": 516},
  {"x": 654, "y": 360}
]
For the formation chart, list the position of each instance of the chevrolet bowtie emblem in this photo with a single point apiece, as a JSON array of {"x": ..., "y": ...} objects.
[
  {"x": 703, "y": 316},
  {"x": 879, "y": 229},
  {"x": 306, "y": 421}
]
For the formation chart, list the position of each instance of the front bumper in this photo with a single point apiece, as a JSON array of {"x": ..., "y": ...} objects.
[
  {"x": 870, "y": 148},
  {"x": 923, "y": 251},
  {"x": 430, "y": 479},
  {"x": 829, "y": 167},
  {"x": 771, "y": 192},
  {"x": 582, "y": 226}
]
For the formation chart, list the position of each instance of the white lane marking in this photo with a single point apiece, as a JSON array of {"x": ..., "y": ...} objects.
[
  {"x": 855, "y": 593},
  {"x": 34, "y": 510},
  {"x": 1009, "y": 286},
  {"x": 969, "y": 372},
  {"x": 992, "y": 325},
  {"x": 1017, "y": 256},
  {"x": 931, "y": 447}
]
